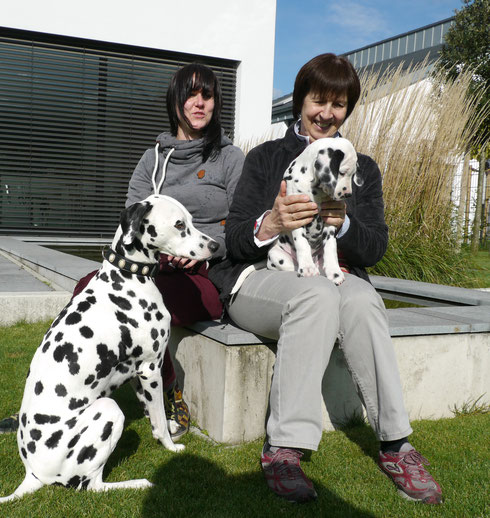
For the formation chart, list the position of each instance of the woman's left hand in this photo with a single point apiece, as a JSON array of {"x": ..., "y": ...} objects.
[
  {"x": 181, "y": 262},
  {"x": 333, "y": 213}
]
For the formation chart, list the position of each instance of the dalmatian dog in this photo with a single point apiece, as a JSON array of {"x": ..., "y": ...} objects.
[
  {"x": 324, "y": 171},
  {"x": 114, "y": 331}
]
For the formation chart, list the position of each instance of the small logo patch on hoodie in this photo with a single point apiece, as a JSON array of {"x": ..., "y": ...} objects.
[{"x": 201, "y": 173}]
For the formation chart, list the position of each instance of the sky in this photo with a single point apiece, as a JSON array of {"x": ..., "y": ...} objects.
[{"x": 306, "y": 28}]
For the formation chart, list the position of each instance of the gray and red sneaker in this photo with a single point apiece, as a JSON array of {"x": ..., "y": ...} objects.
[
  {"x": 406, "y": 469},
  {"x": 284, "y": 475}
]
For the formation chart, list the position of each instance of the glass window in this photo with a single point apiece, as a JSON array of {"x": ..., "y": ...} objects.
[
  {"x": 387, "y": 50},
  {"x": 437, "y": 38},
  {"x": 403, "y": 46}
]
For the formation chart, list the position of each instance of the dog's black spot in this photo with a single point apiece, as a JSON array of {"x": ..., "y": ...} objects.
[
  {"x": 131, "y": 293},
  {"x": 74, "y": 481},
  {"x": 23, "y": 452},
  {"x": 288, "y": 177},
  {"x": 73, "y": 318},
  {"x": 60, "y": 390},
  {"x": 46, "y": 419},
  {"x": 158, "y": 315},
  {"x": 107, "y": 431},
  {"x": 54, "y": 440},
  {"x": 97, "y": 416},
  {"x": 281, "y": 261},
  {"x": 124, "y": 319},
  {"x": 152, "y": 366},
  {"x": 31, "y": 446},
  {"x": 38, "y": 388},
  {"x": 191, "y": 253},
  {"x": 335, "y": 275},
  {"x": 71, "y": 422},
  {"x": 70, "y": 453},
  {"x": 317, "y": 165},
  {"x": 303, "y": 170},
  {"x": 94, "y": 385},
  {"x": 46, "y": 346},
  {"x": 89, "y": 379},
  {"x": 154, "y": 333},
  {"x": 137, "y": 351},
  {"x": 66, "y": 351},
  {"x": 73, "y": 441},
  {"x": 86, "y": 332},
  {"x": 156, "y": 345},
  {"x": 35, "y": 434},
  {"x": 152, "y": 231},
  {"x": 154, "y": 384},
  {"x": 142, "y": 279},
  {"x": 120, "y": 302},
  {"x": 107, "y": 361},
  {"x": 91, "y": 300},
  {"x": 77, "y": 403},
  {"x": 147, "y": 316},
  {"x": 104, "y": 277},
  {"x": 148, "y": 396},
  {"x": 143, "y": 303},
  {"x": 83, "y": 306},
  {"x": 58, "y": 337},
  {"x": 162, "y": 332}
]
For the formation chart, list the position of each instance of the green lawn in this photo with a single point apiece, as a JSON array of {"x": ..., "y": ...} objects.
[
  {"x": 480, "y": 268},
  {"x": 210, "y": 480}
]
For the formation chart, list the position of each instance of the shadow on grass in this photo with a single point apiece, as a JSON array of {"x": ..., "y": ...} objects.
[
  {"x": 364, "y": 437},
  {"x": 191, "y": 486}
]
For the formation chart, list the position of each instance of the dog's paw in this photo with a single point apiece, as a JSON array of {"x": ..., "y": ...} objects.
[
  {"x": 178, "y": 448},
  {"x": 337, "y": 277},
  {"x": 308, "y": 271}
]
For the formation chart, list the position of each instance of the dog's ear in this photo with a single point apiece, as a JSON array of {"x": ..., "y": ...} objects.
[
  {"x": 358, "y": 179},
  {"x": 131, "y": 219}
]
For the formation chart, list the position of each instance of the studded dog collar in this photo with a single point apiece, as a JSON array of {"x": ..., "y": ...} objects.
[{"x": 133, "y": 267}]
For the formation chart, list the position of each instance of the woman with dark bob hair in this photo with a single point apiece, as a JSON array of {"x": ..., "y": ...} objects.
[
  {"x": 307, "y": 315},
  {"x": 197, "y": 165}
]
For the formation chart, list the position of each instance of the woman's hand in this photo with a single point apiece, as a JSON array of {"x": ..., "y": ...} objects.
[
  {"x": 333, "y": 213},
  {"x": 289, "y": 212},
  {"x": 181, "y": 262}
]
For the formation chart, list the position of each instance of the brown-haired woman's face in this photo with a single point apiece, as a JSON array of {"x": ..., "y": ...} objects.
[
  {"x": 198, "y": 109},
  {"x": 322, "y": 117}
]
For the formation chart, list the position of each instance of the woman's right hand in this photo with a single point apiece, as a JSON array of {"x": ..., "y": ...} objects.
[{"x": 289, "y": 212}]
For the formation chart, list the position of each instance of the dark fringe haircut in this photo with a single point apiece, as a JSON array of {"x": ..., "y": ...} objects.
[
  {"x": 326, "y": 75},
  {"x": 196, "y": 77}
]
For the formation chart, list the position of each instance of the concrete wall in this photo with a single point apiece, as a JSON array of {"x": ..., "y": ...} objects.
[{"x": 241, "y": 30}]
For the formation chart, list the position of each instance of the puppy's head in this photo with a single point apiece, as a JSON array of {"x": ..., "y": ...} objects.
[
  {"x": 336, "y": 166},
  {"x": 160, "y": 224}
]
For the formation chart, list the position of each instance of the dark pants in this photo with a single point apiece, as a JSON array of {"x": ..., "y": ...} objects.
[{"x": 189, "y": 297}]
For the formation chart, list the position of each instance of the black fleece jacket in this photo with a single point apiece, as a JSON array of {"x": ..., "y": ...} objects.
[{"x": 364, "y": 244}]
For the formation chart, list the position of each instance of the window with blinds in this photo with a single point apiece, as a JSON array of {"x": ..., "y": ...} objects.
[{"x": 75, "y": 118}]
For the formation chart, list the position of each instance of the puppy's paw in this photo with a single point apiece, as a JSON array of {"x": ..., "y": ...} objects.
[
  {"x": 308, "y": 271},
  {"x": 336, "y": 276}
]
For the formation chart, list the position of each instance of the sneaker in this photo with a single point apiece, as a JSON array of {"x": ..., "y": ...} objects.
[
  {"x": 284, "y": 475},
  {"x": 9, "y": 424},
  {"x": 177, "y": 413},
  {"x": 406, "y": 469}
]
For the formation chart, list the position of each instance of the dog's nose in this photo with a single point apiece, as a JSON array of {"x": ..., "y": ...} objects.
[{"x": 213, "y": 246}]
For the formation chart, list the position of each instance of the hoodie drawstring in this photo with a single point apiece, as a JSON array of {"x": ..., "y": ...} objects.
[{"x": 156, "y": 188}]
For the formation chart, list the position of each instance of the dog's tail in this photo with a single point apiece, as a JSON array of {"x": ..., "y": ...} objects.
[{"x": 30, "y": 484}]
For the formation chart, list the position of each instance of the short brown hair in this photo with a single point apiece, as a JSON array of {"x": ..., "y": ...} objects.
[{"x": 326, "y": 75}]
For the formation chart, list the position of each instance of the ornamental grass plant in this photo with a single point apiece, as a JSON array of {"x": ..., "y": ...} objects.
[{"x": 417, "y": 130}]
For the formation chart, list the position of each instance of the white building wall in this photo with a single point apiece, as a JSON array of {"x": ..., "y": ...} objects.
[{"x": 241, "y": 30}]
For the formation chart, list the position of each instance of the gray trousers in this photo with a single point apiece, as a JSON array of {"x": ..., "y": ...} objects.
[{"x": 306, "y": 316}]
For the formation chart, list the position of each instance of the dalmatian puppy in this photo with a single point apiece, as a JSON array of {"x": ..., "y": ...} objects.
[
  {"x": 116, "y": 330},
  {"x": 324, "y": 171}
]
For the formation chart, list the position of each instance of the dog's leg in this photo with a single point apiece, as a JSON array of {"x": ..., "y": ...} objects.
[
  {"x": 152, "y": 386},
  {"x": 280, "y": 259},
  {"x": 306, "y": 265},
  {"x": 29, "y": 485},
  {"x": 331, "y": 266}
]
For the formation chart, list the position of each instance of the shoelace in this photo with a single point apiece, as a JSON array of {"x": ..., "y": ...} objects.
[{"x": 414, "y": 461}]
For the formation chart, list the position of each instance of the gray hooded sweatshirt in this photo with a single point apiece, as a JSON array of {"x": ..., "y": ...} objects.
[{"x": 205, "y": 189}]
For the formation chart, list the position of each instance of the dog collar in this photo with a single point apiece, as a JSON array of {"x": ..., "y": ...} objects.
[{"x": 133, "y": 267}]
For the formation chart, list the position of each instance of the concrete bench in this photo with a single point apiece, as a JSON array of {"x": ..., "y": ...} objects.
[
  {"x": 226, "y": 371},
  {"x": 443, "y": 352}
]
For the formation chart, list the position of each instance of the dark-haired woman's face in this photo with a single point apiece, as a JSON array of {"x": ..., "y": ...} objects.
[
  {"x": 321, "y": 117},
  {"x": 198, "y": 110}
]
